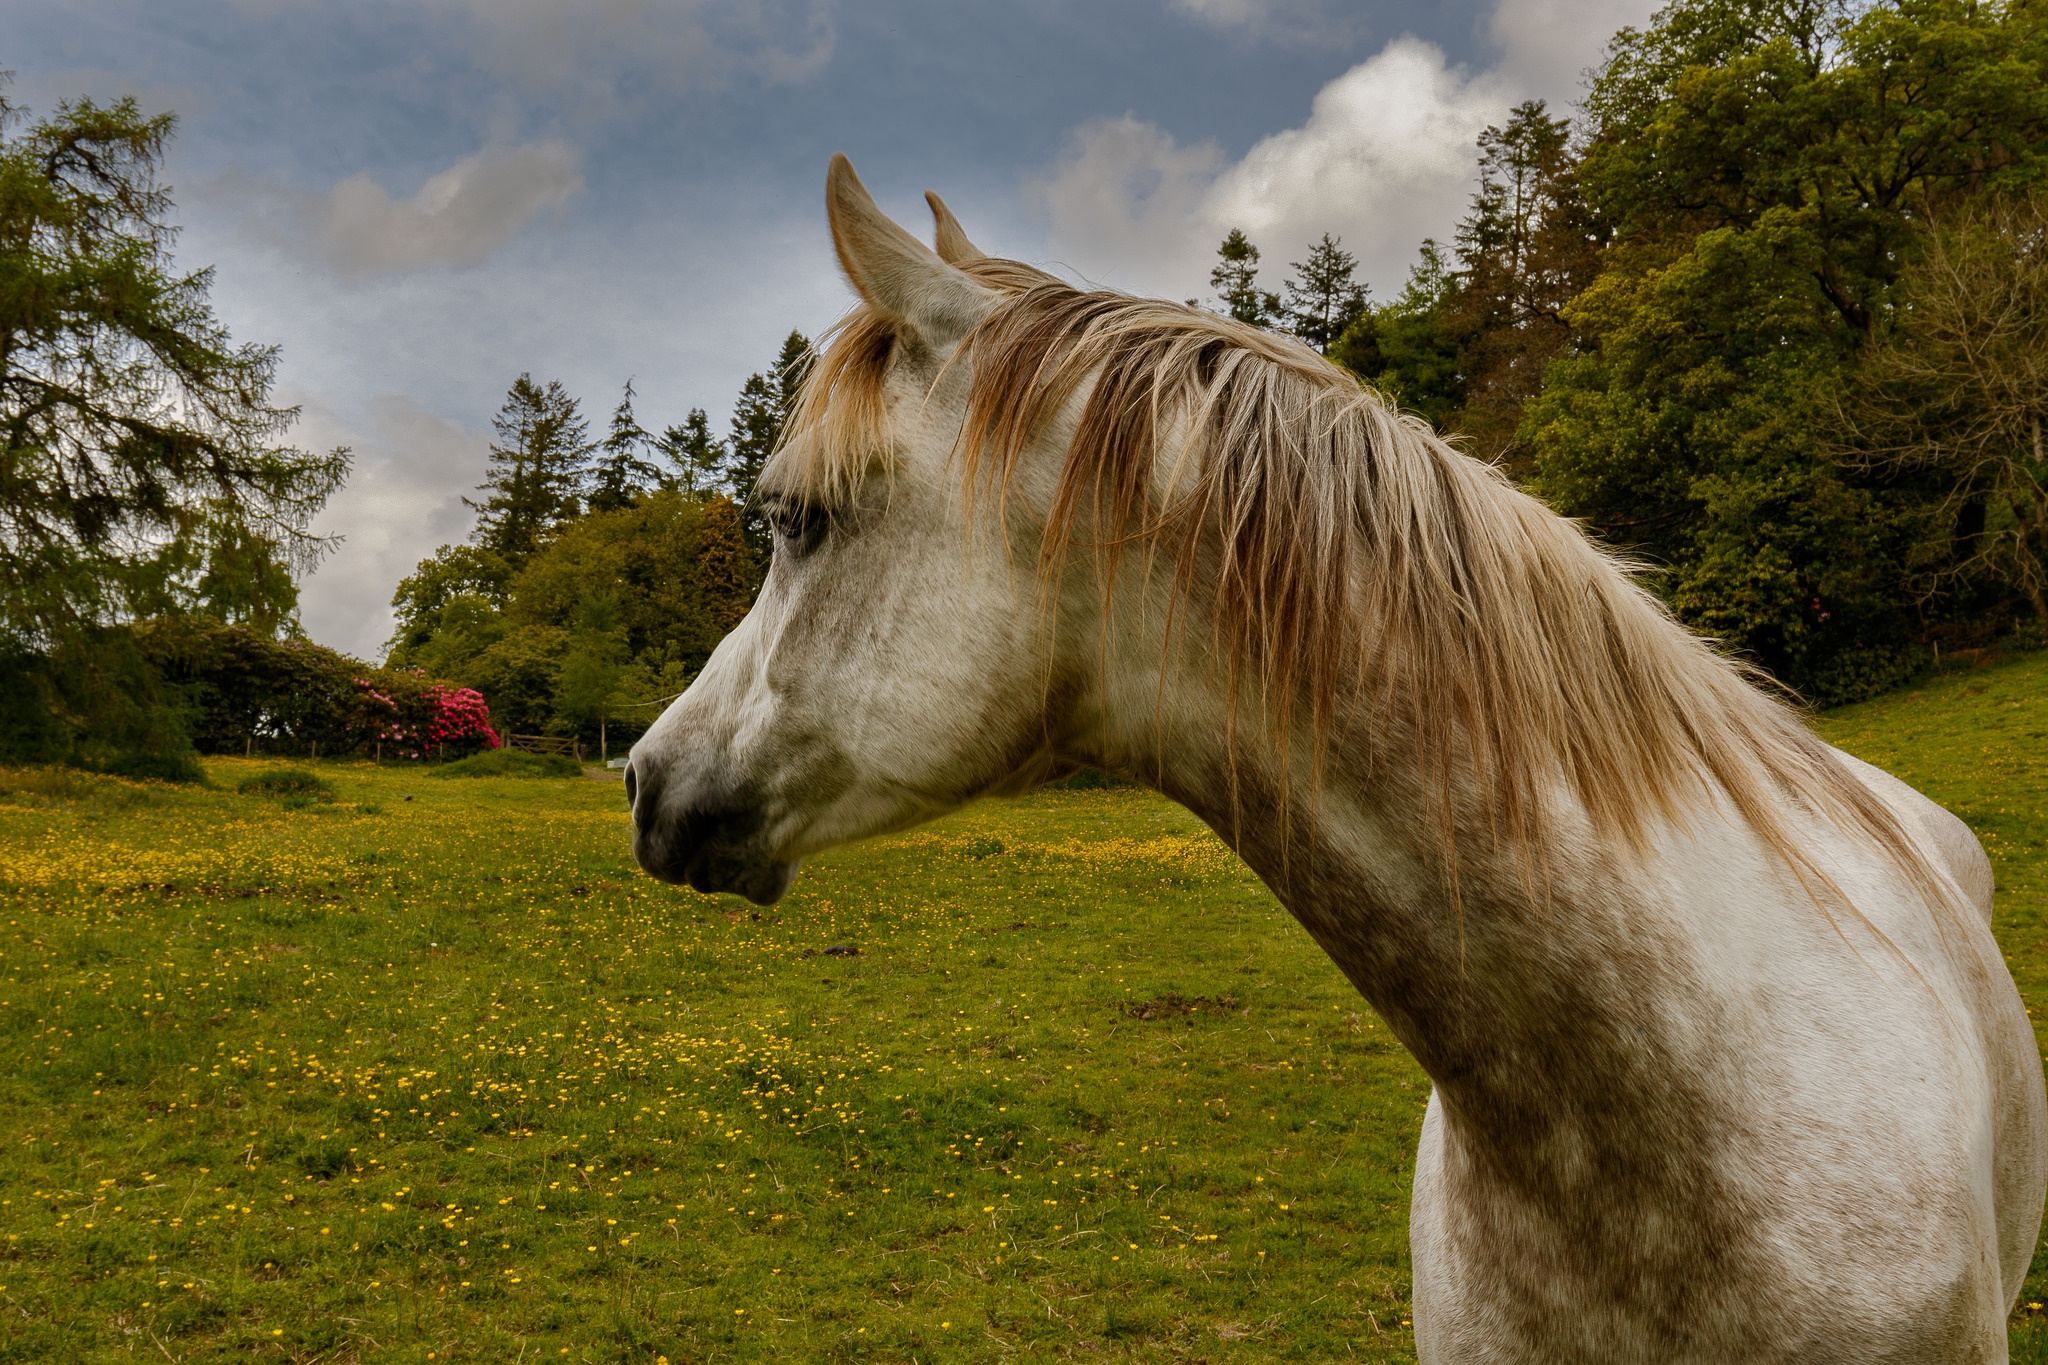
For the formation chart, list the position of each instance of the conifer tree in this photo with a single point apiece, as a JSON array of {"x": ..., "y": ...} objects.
[
  {"x": 1236, "y": 282},
  {"x": 142, "y": 464},
  {"x": 536, "y": 469},
  {"x": 1325, "y": 299},
  {"x": 621, "y": 474},
  {"x": 756, "y": 424},
  {"x": 1526, "y": 249},
  {"x": 696, "y": 457},
  {"x": 757, "y": 421},
  {"x": 791, "y": 365}
]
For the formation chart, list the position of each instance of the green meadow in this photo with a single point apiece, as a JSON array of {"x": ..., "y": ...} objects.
[{"x": 390, "y": 1066}]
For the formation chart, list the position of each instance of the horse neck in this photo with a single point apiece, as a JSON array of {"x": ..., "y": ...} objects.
[{"x": 1534, "y": 997}]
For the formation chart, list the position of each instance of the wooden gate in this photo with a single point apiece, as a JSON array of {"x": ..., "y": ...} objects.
[{"x": 543, "y": 744}]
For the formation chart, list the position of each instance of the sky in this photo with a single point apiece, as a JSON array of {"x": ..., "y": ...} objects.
[{"x": 417, "y": 202}]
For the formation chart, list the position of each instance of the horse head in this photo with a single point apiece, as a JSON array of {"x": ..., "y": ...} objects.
[{"x": 891, "y": 668}]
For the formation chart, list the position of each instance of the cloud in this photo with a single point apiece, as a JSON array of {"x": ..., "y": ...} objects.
[
  {"x": 1547, "y": 45},
  {"x": 1291, "y": 22},
  {"x": 599, "y": 53},
  {"x": 1384, "y": 159},
  {"x": 458, "y": 218},
  {"x": 403, "y": 499}
]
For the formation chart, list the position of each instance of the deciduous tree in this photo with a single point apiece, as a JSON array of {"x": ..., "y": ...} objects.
[
  {"x": 1954, "y": 392},
  {"x": 1759, "y": 168}
]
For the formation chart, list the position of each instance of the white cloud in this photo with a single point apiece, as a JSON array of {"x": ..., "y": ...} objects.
[
  {"x": 1384, "y": 160},
  {"x": 1547, "y": 45},
  {"x": 403, "y": 499},
  {"x": 458, "y": 218}
]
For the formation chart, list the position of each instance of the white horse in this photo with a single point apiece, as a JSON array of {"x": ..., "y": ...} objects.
[{"x": 1727, "y": 1064}]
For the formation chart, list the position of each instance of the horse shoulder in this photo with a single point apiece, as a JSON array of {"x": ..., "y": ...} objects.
[{"x": 1954, "y": 844}]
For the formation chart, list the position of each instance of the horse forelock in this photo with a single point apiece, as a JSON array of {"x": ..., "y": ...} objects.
[{"x": 1351, "y": 561}]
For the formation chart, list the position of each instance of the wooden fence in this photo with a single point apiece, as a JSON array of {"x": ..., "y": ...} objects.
[{"x": 544, "y": 744}]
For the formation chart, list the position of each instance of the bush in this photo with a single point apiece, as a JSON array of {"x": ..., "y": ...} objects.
[
  {"x": 155, "y": 767},
  {"x": 288, "y": 784},
  {"x": 1086, "y": 780},
  {"x": 243, "y": 689},
  {"x": 510, "y": 763}
]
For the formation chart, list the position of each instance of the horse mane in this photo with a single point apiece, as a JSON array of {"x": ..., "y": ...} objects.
[{"x": 1345, "y": 550}]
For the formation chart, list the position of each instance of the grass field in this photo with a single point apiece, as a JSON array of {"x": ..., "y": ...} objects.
[{"x": 426, "y": 1070}]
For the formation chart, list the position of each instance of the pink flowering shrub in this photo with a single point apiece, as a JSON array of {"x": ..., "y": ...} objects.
[
  {"x": 461, "y": 717},
  {"x": 418, "y": 718}
]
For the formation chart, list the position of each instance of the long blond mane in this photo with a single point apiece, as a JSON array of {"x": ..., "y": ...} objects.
[{"x": 1347, "y": 557}]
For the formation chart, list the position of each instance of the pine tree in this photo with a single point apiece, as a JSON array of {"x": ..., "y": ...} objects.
[
  {"x": 697, "y": 458},
  {"x": 1526, "y": 249},
  {"x": 756, "y": 426},
  {"x": 621, "y": 474},
  {"x": 1236, "y": 282},
  {"x": 791, "y": 366},
  {"x": 143, "y": 466},
  {"x": 1325, "y": 300},
  {"x": 757, "y": 421},
  {"x": 537, "y": 468}
]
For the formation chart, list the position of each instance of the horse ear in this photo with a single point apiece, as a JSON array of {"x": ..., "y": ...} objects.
[
  {"x": 954, "y": 248},
  {"x": 892, "y": 270}
]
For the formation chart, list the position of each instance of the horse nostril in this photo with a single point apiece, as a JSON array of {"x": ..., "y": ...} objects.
[{"x": 632, "y": 784}]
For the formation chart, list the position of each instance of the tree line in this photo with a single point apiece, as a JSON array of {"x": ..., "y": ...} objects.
[
  {"x": 1771, "y": 316},
  {"x": 603, "y": 570}
]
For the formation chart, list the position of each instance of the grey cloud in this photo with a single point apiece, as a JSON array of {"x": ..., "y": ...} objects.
[
  {"x": 593, "y": 52},
  {"x": 1292, "y": 22},
  {"x": 412, "y": 468},
  {"x": 458, "y": 218}
]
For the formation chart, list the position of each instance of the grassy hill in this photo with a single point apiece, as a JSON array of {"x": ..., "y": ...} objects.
[{"x": 427, "y": 1070}]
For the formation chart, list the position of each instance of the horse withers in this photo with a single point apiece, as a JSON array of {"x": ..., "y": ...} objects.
[{"x": 1727, "y": 1064}]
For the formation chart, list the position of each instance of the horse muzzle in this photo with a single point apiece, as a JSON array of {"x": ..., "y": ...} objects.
[{"x": 708, "y": 840}]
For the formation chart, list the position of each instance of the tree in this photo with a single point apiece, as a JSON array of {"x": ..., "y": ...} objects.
[
  {"x": 587, "y": 687},
  {"x": 725, "y": 584},
  {"x": 142, "y": 465},
  {"x": 1236, "y": 282},
  {"x": 792, "y": 363},
  {"x": 696, "y": 457},
  {"x": 423, "y": 597},
  {"x": 537, "y": 468},
  {"x": 672, "y": 567},
  {"x": 757, "y": 422},
  {"x": 1757, "y": 170},
  {"x": 621, "y": 474},
  {"x": 755, "y": 428},
  {"x": 1406, "y": 349},
  {"x": 1324, "y": 301},
  {"x": 1526, "y": 249},
  {"x": 1955, "y": 392}
]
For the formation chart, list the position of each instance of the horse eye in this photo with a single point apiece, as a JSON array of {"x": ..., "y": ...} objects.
[{"x": 798, "y": 525}]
